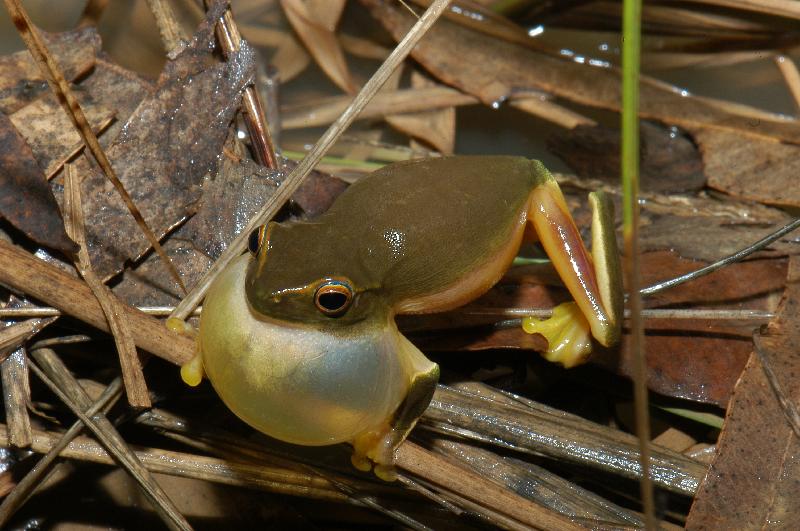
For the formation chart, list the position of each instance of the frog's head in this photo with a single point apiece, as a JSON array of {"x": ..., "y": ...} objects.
[{"x": 308, "y": 281}]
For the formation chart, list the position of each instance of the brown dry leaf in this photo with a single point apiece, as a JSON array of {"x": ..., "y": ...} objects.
[
  {"x": 435, "y": 128},
  {"x": 326, "y": 12},
  {"x": 49, "y": 131},
  {"x": 751, "y": 167},
  {"x": 361, "y": 47},
  {"x": 542, "y": 106},
  {"x": 114, "y": 87},
  {"x": 497, "y": 69},
  {"x": 320, "y": 40},
  {"x": 669, "y": 162},
  {"x": 710, "y": 238},
  {"x": 21, "y": 80},
  {"x": 290, "y": 58},
  {"x": 164, "y": 151},
  {"x": 753, "y": 482},
  {"x": 26, "y": 200}
]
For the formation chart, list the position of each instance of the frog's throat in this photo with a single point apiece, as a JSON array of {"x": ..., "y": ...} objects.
[{"x": 300, "y": 384}]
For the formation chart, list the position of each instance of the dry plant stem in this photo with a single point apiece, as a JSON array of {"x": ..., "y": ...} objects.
[
  {"x": 23, "y": 272},
  {"x": 192, "y": 466},
  {"x": 782, "y": 8},
  {"x": 536, "y": 429},
  {"x": 56, "y": 377},
  {"x": 552, "y": 112},
  {"x": 74, "y": 223},
  {"x": 459, "y": 505},
  {"x": 38, "y": 474},
  {"x": 16, "y": 391},
  {"x": 535, "y": 483},
  {"x": 372, "y": 502},
  {"x": 158, "y": 311},
  {"x": 168, "y": 27},
  {"x": 60, "y": 87},
  {"x": 299, "y": 173},
  {"x": 15, "y": 335},
  {"x": 231, "y": 40},
  {"x": 440, "y": 471},
  {"x": 327, "y": 110},
  {"x": 790, "y": 75}
]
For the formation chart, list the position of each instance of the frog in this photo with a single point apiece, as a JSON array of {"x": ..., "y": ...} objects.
[{"x": 298, "y": 336}]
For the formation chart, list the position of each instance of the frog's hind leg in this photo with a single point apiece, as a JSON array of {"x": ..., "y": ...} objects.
[{"x": 594, "y": 281}]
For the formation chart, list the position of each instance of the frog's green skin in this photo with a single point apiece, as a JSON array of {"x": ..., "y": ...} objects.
[{"x": 418, "y": 236}]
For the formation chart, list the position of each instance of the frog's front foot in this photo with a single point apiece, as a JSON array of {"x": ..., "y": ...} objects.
[
  {"x": 377, "y": 447},
  {"x": 192, "y": 371}
]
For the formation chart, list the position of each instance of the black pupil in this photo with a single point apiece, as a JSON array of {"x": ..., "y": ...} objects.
[
  {"x": 332, "y": 300},
  {"x": 254, "y": 241}
]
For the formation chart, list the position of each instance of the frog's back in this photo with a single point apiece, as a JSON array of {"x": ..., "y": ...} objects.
[{"x": 424, "y": 224}]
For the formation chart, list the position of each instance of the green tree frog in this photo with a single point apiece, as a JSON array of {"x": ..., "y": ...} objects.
[{"x": 299, "y": 338}]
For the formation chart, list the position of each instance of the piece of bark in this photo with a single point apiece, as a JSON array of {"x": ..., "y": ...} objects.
[
  {"x": 26, "y": 200},
  {"x": 753, "y": 481}
]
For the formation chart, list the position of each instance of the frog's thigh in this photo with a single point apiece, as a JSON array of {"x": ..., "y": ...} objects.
[{"x": 598, "y": 298}]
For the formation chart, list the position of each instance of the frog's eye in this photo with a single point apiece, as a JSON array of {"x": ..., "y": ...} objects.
[
  {"x": 333, "y": 298},
  {"x": 256, "y": 239}
]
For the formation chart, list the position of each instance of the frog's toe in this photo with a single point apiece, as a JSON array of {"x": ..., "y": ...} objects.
[
  {"x": 192, "y": 371},
  {"x": 386, "y": 472},
  {"x": 568, "y": 334},
  {"x": 361, "y": 462}
]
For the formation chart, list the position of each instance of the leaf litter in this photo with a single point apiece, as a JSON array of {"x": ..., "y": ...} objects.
[
  {"x": 722, "y": 348},
  {"x": 753, "y": 482}
]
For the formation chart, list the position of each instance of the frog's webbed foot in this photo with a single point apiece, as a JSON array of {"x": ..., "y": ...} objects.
[
  {"x": 192, "y": 372},
  {"x": 378, "y": 446},
  {"x": 594, "y": 281},
  {"x": 569, "y": 339}
]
